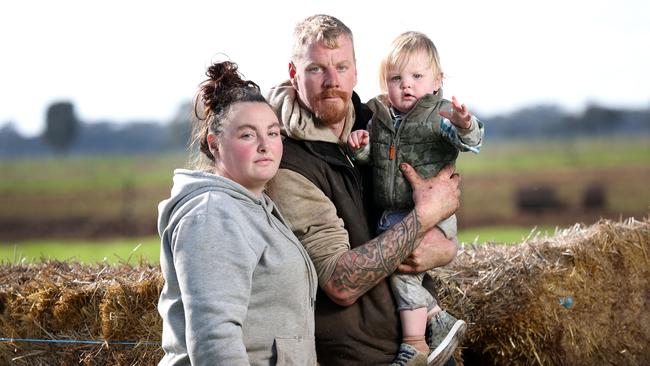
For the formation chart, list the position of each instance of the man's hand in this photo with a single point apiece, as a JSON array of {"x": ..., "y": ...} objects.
[
  {"x": 459, "y": 115},
  {"x": 435, "y": 250},
  {"x": 358, "y": 139},
  {"x": 435, "y": 198}
]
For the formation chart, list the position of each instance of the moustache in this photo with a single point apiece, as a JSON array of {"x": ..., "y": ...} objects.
[{"x": 329, "y": 93}]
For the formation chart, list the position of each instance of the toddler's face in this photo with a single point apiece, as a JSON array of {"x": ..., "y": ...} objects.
[{"x": 410, "y": 82}]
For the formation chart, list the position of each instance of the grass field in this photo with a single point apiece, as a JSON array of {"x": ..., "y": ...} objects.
[
  {"x": 535, "y": 156},
  {"x": 132, "y": 250},
  {"x": 114, "y": 251},
  {"x": 117, "y": 196}
]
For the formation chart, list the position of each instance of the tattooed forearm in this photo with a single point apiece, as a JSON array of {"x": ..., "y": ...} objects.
[{"x": 361, "y": 268}]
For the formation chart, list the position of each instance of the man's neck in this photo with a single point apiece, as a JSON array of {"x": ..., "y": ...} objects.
[{"x": 337, "y": 129}]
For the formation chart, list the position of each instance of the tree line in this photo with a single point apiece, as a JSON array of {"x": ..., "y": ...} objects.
[
  {"x": 549, "y": 121},
  {"x": 66, "y": 134}
]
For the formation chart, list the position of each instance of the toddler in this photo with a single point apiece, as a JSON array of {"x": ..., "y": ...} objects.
[{"x": 412, "y": 123}]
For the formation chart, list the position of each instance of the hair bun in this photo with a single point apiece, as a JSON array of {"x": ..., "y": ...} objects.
[
  {"x": 225, "y": 75},
  {"x": 223, "y": 80}
]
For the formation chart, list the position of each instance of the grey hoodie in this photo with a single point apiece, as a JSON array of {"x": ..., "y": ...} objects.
[{"x": 239, "y": 287}]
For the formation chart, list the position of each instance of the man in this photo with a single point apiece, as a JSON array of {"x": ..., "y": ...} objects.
[{"x": 320, "y": 193}]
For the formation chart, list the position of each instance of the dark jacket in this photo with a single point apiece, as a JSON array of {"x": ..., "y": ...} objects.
[{"x": 367, "y": 332}]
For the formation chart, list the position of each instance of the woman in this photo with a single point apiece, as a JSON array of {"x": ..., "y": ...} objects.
[{"x": 239, "y": 287}]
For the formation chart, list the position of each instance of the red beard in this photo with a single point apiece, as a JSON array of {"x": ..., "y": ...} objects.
[{"x": 326, "y": 112}]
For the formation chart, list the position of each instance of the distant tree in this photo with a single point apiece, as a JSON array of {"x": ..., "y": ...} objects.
[
  {"x": 9, "y": 137},
  {"x": 8, "y": 131},
  {"x": 61, "y": 126},
  {"x": 598, "y": 120},
  {"x": 180, "y": 127}
]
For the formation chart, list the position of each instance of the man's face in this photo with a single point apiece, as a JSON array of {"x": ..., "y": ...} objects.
[{"x": 324, "y": 79}]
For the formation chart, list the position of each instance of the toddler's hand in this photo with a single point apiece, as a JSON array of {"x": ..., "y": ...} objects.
[
  {"x": 358, "y": 139},
  {"x": 459, "y": 115}
]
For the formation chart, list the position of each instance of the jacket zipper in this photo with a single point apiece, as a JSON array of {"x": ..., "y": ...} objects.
[
  {"x": 392, "y": 155},
  {"x": 305, "y": 257}
]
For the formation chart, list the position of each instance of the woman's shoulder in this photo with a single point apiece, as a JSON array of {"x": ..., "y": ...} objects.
[{"x": 216, "y": 202}]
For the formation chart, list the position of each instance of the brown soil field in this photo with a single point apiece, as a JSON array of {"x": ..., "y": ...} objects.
[
  {"x": 487, "y": 200},
  {"x": 490, "y": 200}
]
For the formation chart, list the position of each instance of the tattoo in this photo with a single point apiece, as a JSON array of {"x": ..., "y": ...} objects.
[{"x": 361, "y": 268}]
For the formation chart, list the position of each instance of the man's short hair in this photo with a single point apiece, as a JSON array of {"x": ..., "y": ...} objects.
[{"x": 319, "y": 28}]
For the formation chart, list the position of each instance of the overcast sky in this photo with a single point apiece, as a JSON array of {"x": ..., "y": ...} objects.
[{"x": 127, "y": 60}]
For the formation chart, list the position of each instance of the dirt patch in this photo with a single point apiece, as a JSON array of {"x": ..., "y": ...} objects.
[{"x": 75, "y": 228}]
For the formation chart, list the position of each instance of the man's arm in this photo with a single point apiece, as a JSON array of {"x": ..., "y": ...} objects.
[
  {"x": 361, "y": 268},
  {"x": 313, "y": 219},
  {"x": 435, "y": 250},
  {"x": 345, "y": 274}
]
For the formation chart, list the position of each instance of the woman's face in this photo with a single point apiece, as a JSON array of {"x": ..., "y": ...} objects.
[{"x": 249, "y": 149}]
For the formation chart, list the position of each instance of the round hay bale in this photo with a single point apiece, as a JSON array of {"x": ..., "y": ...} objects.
[{"x": 515, "y": 298}]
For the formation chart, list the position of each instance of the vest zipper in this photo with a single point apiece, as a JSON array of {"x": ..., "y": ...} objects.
[
  {"x": 357, "y": 178},
  {"x": 356, "y": 181},
  {"x": 347, "y": 157}
]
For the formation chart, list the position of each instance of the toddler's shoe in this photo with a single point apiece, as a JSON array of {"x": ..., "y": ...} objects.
[
  {"x": 409, "y": 356},
  {"x": 443, "y": 334}
]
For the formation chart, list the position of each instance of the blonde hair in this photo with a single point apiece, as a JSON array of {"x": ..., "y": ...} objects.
[
  {"x": 319, "y": 28},
  {"x": 403, "y": 48}
]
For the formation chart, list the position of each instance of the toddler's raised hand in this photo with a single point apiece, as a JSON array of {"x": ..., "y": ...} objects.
[
  {"x": 459, "y": 115},
  {"x": 358, "y": 139}
]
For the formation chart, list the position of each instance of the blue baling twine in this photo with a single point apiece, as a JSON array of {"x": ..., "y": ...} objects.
[{"x": 33, "y": 340}]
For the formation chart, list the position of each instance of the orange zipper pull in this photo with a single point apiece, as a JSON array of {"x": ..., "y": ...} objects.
[{"x": 391, "y": 152}]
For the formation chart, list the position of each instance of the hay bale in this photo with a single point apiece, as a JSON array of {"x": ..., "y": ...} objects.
[
  {"x": 77, "y": 303},
  {"x": 126, "y": 312},
  {"x": 581, "y": 297}
]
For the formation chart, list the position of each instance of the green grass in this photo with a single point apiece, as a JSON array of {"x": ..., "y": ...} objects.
[
  {"x": 556, "y": 155},
  {"x": 130, "y": 251},
  {"x": 502, "y": 234},
  {"x": 99, "y": 173},
  {"x": 114, "y": 251}
]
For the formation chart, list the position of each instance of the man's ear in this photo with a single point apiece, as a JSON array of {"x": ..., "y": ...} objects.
[
  {"x": 292, "y": 70},
  {"x": 292, "y": 75}
]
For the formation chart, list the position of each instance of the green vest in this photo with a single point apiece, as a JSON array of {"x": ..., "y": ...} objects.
[{"x": 418, "y": 141}]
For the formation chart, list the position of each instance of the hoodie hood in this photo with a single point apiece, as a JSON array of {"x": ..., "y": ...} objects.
[
  {"x": 300, "y": 123},
  {"x": 191, "y": 183}
]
